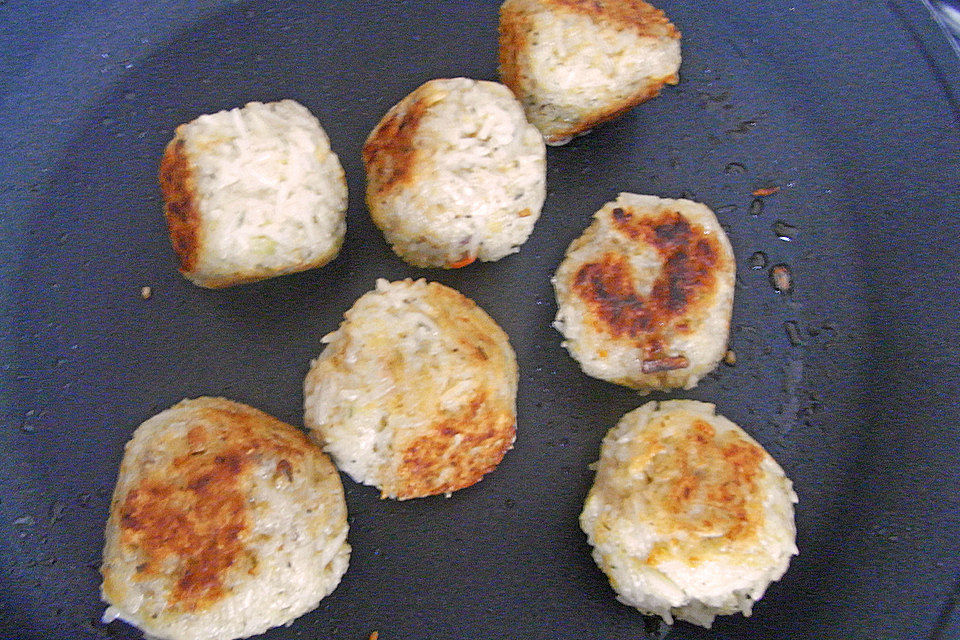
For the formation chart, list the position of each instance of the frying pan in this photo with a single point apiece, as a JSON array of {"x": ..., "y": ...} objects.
[{"x": 851, "y": 108}]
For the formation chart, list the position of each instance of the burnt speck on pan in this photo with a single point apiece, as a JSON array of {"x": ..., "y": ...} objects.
[{"x": 781, "y": 278}]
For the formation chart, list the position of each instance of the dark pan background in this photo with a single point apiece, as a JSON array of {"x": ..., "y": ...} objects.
[{"x": 850, "y": 107}]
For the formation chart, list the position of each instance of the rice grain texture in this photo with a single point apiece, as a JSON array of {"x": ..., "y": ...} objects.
[
  {"x": 576, "y": 63},
  {"x": 224, "y": 522},
  {"x": 688, "y": 516},
  {"x": 455, "y": 173},
  {"x": 645, "y": 295},
  {"x": 415, "y": 393},
  {"x": 252, "y": 193}
]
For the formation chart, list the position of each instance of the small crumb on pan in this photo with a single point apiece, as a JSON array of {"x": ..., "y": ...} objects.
[{"x": 766, "y": 191}]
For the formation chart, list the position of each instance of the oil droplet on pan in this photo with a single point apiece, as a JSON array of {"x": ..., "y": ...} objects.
[
  {"x": 735, "y": 169},
  {"x": 793, "y": 333},
  {"x": 784, "y": 230},
  {"x": 758, "y": 260}
]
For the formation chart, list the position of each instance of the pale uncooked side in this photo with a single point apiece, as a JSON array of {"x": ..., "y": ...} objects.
[
  {"x": 455, "y": 173},
  {"x": 574, "y": 64},
  {"x": 688, "y": 516},
  {"x": 253, "y": 193},
  {"x": 415, "y": 393},
  {"x": 224, "y": 522}
]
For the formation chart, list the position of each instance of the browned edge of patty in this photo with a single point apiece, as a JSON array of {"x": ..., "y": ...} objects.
[
  {"x": 389, "y": 154},
  {"x": 180, "y": 204},
  {"x": 641, "y": 17},
  {"x": 513, "y": 30},
  {"x": 611, "y": 112},
  {"x": 487, "y": 433}
]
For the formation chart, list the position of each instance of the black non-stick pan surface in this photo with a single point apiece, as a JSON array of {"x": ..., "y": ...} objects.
[{"x": 851, "y": 381}]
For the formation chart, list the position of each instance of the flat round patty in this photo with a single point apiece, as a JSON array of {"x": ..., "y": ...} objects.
[
  {"x": 224, "y": 522},
  {"x": 455, "y": 174},
  {"x": 415, "y": 393},
  {"x": 576, "y": 63},
  {"x": 688, "y": 516},
  {"x": 645, "y": 295},
  {"x": 252, "y": 193}
]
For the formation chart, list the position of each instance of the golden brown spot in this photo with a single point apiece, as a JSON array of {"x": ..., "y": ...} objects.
[
  {"x": 686, "y": 280},
  {"x": 188, "y": 518},
  {"x": 434, "y": 463},
  {"x": 706, "y": 485},
  {"x": 180, "y": 210},
  {"x": 475, "y": 348},
  {"x": 197, "y": 437},
  {"x": 199, "y": 523},
  {"x": 607, "y": 286},
  {"x": 389, "y": 154}
]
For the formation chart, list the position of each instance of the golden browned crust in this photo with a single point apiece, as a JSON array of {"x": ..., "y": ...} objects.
[
  {"x": 187, "y": 517},
  {"x": 513, "y": 29},
  {"x": 180, "y": 208},
  {"x": 389, "y": 153},
  {"x": 463, "y": 445},
  {"x": 430, "y": 464},
  {"x": 687, "y": 281},
  {"x": 707, "y": 485}
]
